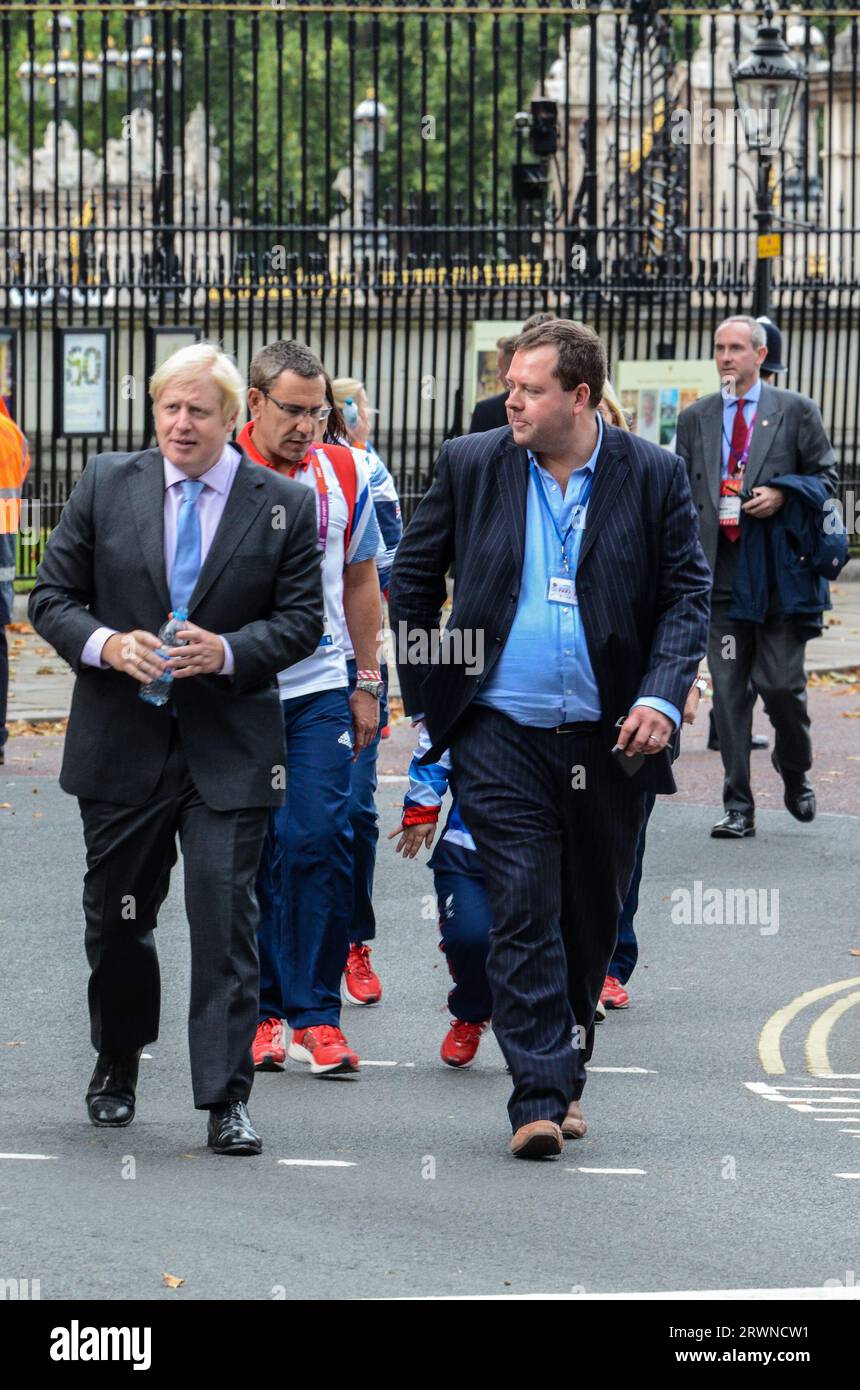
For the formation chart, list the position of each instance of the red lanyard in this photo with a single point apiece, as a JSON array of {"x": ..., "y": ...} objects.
[
  {"x": 741, "y": 459},
  {"x": 322, "y": 493}
]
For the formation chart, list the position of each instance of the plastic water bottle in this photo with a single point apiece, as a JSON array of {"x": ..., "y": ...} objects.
[
  {"x": 350, "y": 412},
  {"x": 158, "y": 691}
]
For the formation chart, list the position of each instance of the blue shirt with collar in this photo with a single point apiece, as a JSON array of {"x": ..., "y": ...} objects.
[
  {"x": 544, "y": 675},
  {"x": 730, "y": 409}
]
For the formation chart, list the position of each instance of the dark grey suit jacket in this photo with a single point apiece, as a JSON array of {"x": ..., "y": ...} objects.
[
  {"x": 260, "y": 588},
  {"x": 641, "y": 577},
  {"x": 788, "y": 437}
]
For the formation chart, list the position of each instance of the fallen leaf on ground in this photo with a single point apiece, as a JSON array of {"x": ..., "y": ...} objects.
[
  {"x": 19, "y": 627},
  {"x": 5, "y": 805},
  {"x": 172, "y": 1281},
  {"x": 851, "y": 714},
  {"x": 16, "y": 1042},
  {"x": 44, "y": 671}
]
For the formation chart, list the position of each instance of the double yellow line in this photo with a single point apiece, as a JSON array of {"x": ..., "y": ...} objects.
[{"x": 815, "y": 1048}]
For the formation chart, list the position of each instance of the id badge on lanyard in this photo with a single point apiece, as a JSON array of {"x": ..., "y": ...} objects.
[
  {"x": 732, "y": 486},
  {"x": 730, "y": 500},
  {"x": 561, "y": 585}
]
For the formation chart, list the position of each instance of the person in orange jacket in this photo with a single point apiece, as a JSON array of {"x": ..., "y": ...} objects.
[{"x": 14, "y": 463}]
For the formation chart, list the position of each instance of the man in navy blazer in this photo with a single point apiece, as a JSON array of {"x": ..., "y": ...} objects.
[{"x": 581, "y": 603}]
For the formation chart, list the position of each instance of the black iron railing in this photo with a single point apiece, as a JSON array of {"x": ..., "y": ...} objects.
[{"x": 358, "y": 176}]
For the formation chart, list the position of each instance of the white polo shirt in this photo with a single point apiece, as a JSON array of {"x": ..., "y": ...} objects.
[{"x": 325, "y": 669}]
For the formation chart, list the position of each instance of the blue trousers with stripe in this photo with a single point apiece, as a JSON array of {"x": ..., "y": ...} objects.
[
  {"x": 365, "y": 824},
  {"x": 304, "y": 884}
]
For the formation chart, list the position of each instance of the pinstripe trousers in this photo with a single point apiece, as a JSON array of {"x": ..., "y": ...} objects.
[{"x": 556, "y": 824}]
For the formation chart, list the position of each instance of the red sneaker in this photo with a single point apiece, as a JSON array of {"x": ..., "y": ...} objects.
[
  {"x": 614, "y": 995},
  {"x": 360, "y": 983},
  {"x": 269, "y": 1052},
  {"x": 461, "y": 1043},
  {"x": 325, "y": 1047}
]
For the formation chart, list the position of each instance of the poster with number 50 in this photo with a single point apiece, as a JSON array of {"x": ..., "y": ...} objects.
[{"x": 83, "y": 381}]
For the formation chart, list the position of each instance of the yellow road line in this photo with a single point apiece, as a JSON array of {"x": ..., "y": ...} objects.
[
  {"x": 770, "y": 1037},
  {"x": 817, "y": 1059}
]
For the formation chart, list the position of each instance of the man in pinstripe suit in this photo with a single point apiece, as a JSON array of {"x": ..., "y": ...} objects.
[{"x": 581, "y": 578}]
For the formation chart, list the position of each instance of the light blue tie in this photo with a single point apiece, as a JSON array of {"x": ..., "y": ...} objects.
[{"x": 186, "y": 561}]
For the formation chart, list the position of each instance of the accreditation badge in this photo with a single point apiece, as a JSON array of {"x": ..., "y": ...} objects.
[
  {"x": 730, "y": 501},
  {"x": 561, "y": 589}
]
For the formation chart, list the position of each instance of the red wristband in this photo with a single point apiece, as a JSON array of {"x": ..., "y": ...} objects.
[
  {"x": 420, "y": 815},
  {"x": 368, "y": 676}
]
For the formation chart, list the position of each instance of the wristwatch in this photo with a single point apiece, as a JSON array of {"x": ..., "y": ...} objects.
[
  {"x": 371, "y": 683},
  {"x": 374, "y": 688}
]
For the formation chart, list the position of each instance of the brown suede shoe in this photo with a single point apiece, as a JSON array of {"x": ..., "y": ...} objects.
[
  {"x": 573, "y": 1125},
  {"x": 540, "y": 1139}
]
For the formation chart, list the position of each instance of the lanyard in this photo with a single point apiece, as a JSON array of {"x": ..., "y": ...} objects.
[
  {"x": 576, "y": 514},
  {"x": 741, "y": 460},
  {"x": 322, "y": 493}
]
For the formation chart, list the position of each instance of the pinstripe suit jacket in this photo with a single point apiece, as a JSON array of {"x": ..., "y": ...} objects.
[{"x": 642, "y": 581}]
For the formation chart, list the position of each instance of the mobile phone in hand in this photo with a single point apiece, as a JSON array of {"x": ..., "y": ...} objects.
[{"x": 629, "y": 764}]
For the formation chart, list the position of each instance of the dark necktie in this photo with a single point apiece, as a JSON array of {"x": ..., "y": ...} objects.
[{"x": 736, "y": 453}]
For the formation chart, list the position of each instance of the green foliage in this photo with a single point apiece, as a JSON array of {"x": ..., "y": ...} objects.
[{"x": 314, "y": 55}]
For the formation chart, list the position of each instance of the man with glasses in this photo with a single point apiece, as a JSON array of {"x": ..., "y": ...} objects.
[{"x": 305, "y": 879}]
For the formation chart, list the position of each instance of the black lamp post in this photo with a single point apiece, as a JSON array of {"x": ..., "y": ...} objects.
[{"x": 766, "y": 84}]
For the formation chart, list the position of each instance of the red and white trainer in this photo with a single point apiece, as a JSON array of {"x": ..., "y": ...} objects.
[
  {"x": 325, "y": 1048},
  {"x": 269, "y": 1051},
  {"x": 461, "y": 1043},
  {"x": 360, "y": 983},
  {"x": 614, "y": 995}
]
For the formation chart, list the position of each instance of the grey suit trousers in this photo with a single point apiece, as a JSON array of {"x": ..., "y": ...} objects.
[
  {"x": 130, "y": 853},
  {"x": 771, "y": 656}
]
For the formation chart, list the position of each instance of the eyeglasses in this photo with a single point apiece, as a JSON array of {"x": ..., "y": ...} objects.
[{"x": 295, "y": 412}]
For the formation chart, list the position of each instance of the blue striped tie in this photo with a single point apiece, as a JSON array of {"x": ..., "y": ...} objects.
[{"x": 186, "y": 561}]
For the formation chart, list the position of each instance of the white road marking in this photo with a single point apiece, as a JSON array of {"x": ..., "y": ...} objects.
[
  {"x": 821, "y": 1109},
  {"x": 366, "y": 1063},
  {"x": 391, "y": 777},
  {"x": 51, "y": 1157},
  {"x": 816, "y": 1103},
  {"x": 636, "y": 1071},
  {"x": 785, "y": 1093},
  {"x": 832, "y": 1120},
  {"x": 849, "y": 1131},
  {"x": 819, "y": 1293},
  {"x": 314, "y": 1163},
  {"x": 621, "y": 1171},
  {"x": 846, "y": 1175},
  {"x": 146, "y": 1056}
]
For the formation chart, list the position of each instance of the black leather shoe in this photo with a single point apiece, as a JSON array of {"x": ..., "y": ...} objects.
[
  {"x": 799, "y": 796},
  {"x": 231, "y": 1131},
  {"x": 733, "y": 826},
  {"x": 111, "y": 1092}
]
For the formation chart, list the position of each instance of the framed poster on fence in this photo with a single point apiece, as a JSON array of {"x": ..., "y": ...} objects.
[
  {"x": 163, "y": 341},
  {"x": 9, "y": 368},
  {"x": 82, "y": 382},
  {"x": 485, "y": 367},
  {"x": 653, "y": 394}
]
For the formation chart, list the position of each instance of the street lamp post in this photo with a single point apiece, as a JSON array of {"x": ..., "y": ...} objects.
[{"x": 766, "y": 85}]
